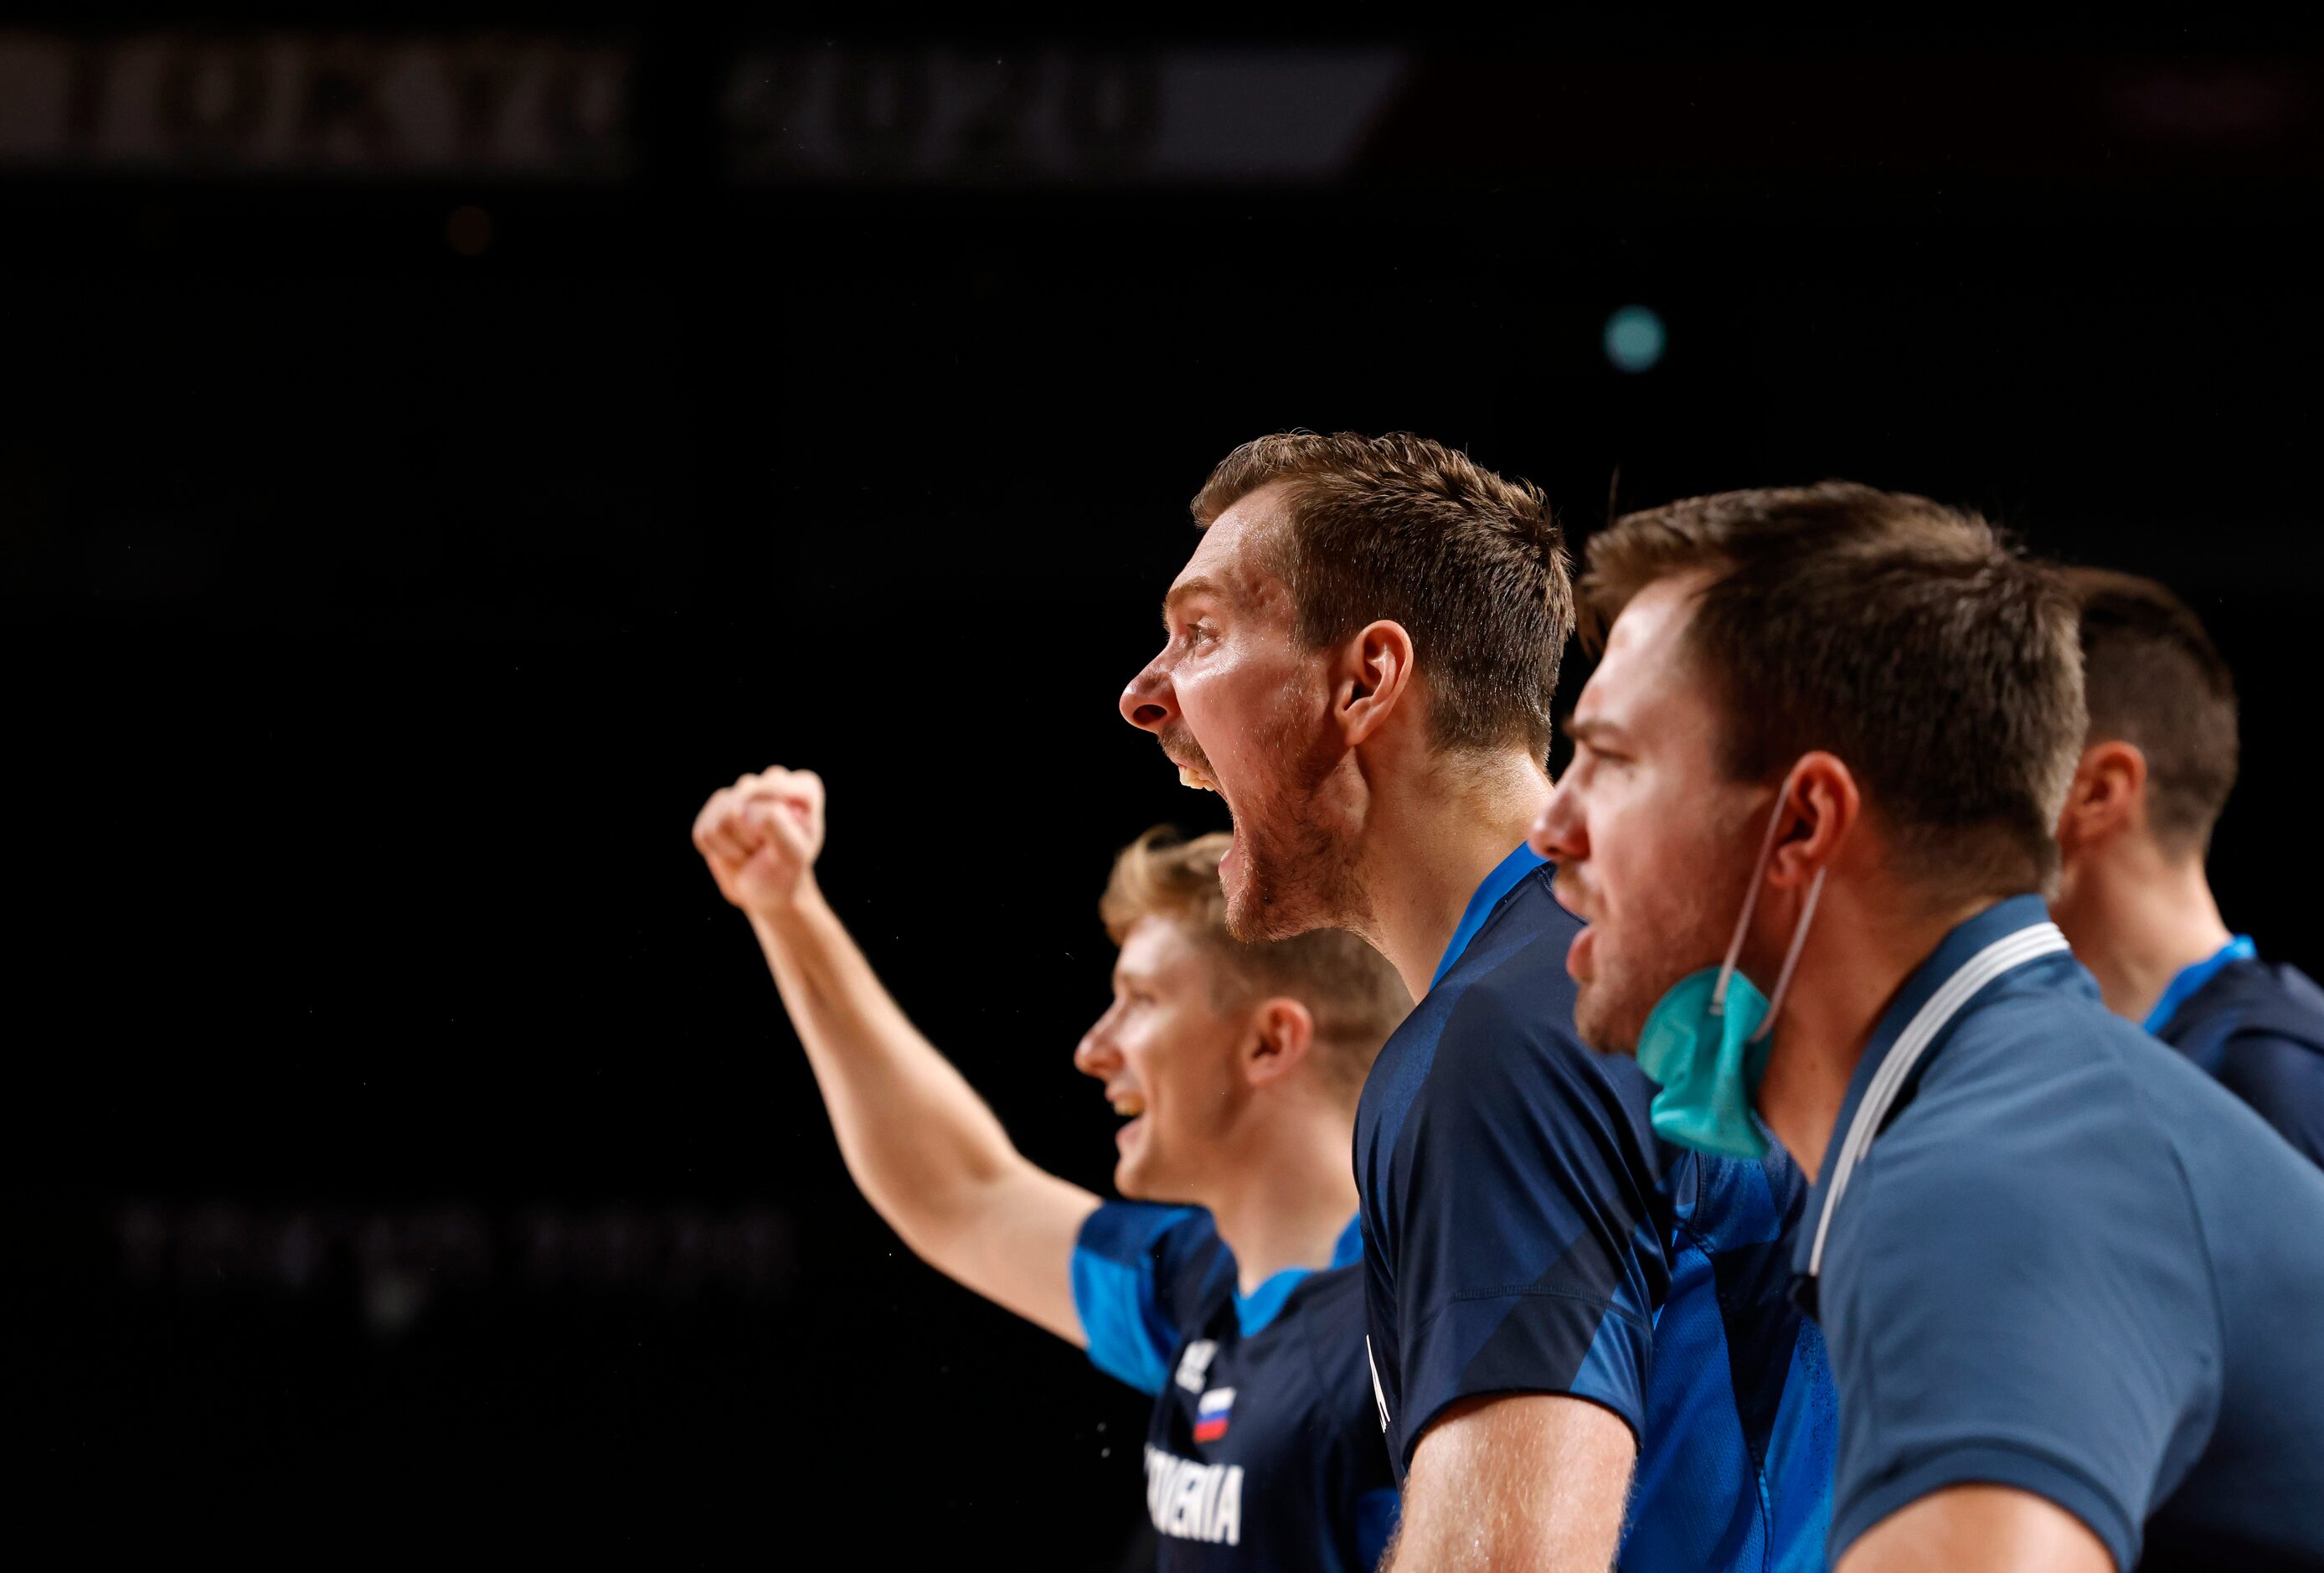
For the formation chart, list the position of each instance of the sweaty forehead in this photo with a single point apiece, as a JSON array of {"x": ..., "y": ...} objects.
[{"x": 1235, "y": 557}]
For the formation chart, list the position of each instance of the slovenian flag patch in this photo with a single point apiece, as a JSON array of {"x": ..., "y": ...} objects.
[{"x": 1211, "y": 1414}]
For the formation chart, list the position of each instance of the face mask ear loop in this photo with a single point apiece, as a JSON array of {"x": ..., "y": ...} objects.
[
  {"x": 1750, "y": 903},
  {"x": 1792, "y": 958}
]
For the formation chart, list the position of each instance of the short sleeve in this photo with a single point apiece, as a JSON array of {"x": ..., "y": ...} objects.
[
  {"x": 1136, "y": 1271},
  {"x": 2030, "y": 1308},
  {"x": 1361, "y": 1495},
  {"x": 2284, "y": 1082},
  {"x": 1527, "y": 1259}
]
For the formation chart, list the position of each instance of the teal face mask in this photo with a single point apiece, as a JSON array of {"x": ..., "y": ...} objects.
[
  {"x": 1707, "y": 1064},
  {"x": 1705, "y": 1043}
]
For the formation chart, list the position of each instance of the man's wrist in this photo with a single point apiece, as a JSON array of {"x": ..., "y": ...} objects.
[{"x": 784, "y": 921}]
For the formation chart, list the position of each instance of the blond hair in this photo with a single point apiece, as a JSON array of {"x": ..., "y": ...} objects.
[{"x": 1354, "y": 996}]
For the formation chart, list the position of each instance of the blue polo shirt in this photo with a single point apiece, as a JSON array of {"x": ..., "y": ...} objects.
[
  {"x": 2065, "y": 1260},
  {"x": 1525, "y": 1232},
  {"x": 1263, "y": 1454},
  {"x": 2260, "y": 1031}
]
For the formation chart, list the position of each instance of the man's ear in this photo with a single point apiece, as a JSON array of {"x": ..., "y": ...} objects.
[
  {"x": 1285, "y": 1032},
  {"x": 2108, "y": 796},
  {"x": 1375, "y": 670},
  {"x": 1822, "y": 810}
]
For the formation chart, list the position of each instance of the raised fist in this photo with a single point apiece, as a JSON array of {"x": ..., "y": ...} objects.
[{"x": 761, "y": 836}]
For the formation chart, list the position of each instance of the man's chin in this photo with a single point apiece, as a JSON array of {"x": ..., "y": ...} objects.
[
  {"x": 1602, "y": 1025},
  {"x": 1256, "y": 913},
  {"x": 1247, "y": 918},
  {"x": 1135, "y": 1179}
]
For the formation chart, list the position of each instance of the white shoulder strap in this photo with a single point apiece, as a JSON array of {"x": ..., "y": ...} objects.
[{"x": 2005, "y": 954}]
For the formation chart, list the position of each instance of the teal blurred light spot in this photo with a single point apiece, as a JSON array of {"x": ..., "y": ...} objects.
[{"x": 1635, "y": 339}]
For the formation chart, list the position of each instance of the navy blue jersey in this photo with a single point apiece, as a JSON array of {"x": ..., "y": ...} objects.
[
  {"x": 1525, "y": 1232},
  {"x": 2260, "y": 1030},
  {"x": 2050, "y": 1252},
  {"x": 1264, "y": 1451}
]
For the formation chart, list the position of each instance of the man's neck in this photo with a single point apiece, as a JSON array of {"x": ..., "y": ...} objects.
[
  {"x": 2147, "y": 919},
  {"x": 1290, "y": 1199},
  {"x": 1858, "y": 956},
  {"x": 1428, "y": 846}
]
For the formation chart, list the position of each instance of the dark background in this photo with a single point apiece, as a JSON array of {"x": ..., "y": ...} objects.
[{"x": 411, "y": 507}]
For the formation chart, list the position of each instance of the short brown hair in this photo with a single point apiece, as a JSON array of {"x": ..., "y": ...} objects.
[
  {"x": 1399, "y": 527},
  {"x": 1906, "y": 637},
  {"x": 2155, "y": 680},
  {"x": 1354, "y": 995}
]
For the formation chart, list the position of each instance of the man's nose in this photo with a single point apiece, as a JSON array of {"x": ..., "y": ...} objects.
[
  {"x": 1559, "y": 831},
  {"x": 1149, "y": 702},
  {"x": 1094, "y": 1054}
]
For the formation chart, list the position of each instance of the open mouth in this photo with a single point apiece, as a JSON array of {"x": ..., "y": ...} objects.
[
  {"x": 1131, "y": 1131},
  {"x": 1178, "y": 747},
  {"x": 1198, "y": 776}
]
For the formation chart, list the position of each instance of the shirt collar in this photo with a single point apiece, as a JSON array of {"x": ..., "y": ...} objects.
[
  {"x": 1254, "y": 1311},
  {"x": 2192, "y": 979},
  {"x": 1998, "y": 922},
  {"x": 1498, "y": 883}
]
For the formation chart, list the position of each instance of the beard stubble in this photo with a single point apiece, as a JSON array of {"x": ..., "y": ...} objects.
[{"x": 1296, "y": 843}]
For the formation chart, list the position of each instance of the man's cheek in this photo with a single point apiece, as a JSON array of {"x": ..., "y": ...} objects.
[{"x": 1199, "y": 704}]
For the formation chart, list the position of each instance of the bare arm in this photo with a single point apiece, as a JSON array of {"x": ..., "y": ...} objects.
[
  {"x": 1979, "y": 1529},
  {"x": 923, "y": 1147},
  {"x": 1534, "y": 1481}
]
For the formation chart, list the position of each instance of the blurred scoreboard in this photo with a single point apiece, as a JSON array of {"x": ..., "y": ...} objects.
[
  {"x": 567, "y": 108},
  {"x": 1055, "y": 116},
  {"x": 282, "y": 103}
]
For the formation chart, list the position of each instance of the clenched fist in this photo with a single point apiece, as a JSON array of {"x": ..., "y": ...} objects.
[{"x": 761, "y": 836}]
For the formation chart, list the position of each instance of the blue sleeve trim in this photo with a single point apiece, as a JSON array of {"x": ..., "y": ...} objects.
[
  {"x": 1614, "y": 1372},
  {"x": 1991, "y": 1464},
  {"x": 1376, "y": 1513},
  {"x": 1526, "y": 1341},
  {"x": 1116, "y": 1292}
]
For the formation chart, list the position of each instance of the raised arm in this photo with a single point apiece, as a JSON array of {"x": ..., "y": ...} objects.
[
  {"x": 923, "y": 1147},
  {"x": 1532, "y": 1481}
]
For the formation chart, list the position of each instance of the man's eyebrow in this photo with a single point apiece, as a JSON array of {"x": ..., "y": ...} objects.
[
  {"x": 1186, "y": 589},
  {"x": 1592, "y": 729}
]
